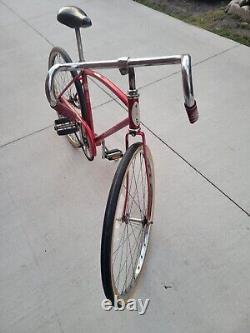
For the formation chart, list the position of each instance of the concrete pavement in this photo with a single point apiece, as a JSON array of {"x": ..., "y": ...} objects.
[{"x": 51, "y": 217}]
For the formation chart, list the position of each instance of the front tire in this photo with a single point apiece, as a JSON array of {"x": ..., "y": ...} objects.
[{"x": 127, "y": 223}]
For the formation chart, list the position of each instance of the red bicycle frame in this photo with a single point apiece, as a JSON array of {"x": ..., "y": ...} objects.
[{"x": 131, "y": 101}]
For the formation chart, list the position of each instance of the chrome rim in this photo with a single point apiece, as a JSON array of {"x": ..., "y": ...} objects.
[
  {"x": 60, "y": 81},
  {"x": 132, "y": 225}
]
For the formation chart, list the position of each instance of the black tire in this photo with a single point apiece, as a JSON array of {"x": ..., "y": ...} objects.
[
  {"x": 74, "y": 94},
  {"x": 135, "y": 218}
]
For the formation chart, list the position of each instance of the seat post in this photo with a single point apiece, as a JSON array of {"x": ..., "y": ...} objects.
[{"x": 79, "y": 44}]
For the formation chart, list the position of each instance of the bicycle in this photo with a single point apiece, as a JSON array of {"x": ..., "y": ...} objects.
[{"x": 129, "y": 211}]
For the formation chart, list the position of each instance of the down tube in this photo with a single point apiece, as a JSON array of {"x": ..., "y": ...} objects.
[
  {"x": 110, "y": 85},
  {"x": 122, "y": 97}
]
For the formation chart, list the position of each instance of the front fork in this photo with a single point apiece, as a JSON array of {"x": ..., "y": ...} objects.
[
  {"x": 133, "y": 110},
  {"x": 148, "y": 171},
  {"x": 135, "y": 130}
]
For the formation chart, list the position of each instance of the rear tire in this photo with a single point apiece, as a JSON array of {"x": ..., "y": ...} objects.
[
  {"x": 74, "y": 94},
  {"x": 127, "y": 223}
]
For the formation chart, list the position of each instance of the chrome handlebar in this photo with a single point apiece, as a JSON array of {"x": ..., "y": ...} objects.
[{"x": 125, "y": 63}]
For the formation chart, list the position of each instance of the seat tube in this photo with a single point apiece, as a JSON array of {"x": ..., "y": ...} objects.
[
  {"x": 133, "y": 103},
  {"x": 87, "y": 106},
  {"x": 79, "y": 44}
]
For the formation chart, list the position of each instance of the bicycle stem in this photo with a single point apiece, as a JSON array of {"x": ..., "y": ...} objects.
[{"x": 124, "y": 64}]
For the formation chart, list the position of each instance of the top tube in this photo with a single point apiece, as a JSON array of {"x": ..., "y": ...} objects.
[{"x": 125, "y": 63}]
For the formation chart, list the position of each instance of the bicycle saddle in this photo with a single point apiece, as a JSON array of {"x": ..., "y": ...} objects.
[{"x": 73, "y": 17}]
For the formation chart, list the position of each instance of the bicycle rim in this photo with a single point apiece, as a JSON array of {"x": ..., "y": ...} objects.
[
  {"x": 128, "y": 220},
  {"x": 60, "y": 56}
]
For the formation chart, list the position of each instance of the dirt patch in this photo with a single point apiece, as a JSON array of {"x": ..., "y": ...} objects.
[
  {"x": 209, "y": 15},
  {"x": 190, "y": 6}
]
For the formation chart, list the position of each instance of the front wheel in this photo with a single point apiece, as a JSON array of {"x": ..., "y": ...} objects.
[{"x": 127, "y": 223}]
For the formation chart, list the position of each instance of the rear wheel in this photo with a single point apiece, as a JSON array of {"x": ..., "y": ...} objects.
[
  {"x": 73, "y": 95},
  {"x": 127, "y": 223}
]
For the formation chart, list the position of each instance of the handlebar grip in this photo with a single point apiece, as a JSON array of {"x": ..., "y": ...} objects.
[{"x": 192, "y": 112}]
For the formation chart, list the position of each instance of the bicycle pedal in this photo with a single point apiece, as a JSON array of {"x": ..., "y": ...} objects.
[
  {"x": 113, "y": 154},
  {"x": 61, "y": 120},
  {"x": 63, "y": 126}
]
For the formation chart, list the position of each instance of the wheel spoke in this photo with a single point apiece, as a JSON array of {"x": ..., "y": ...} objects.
[
  {"x": 130, "y": 228},
  {"x": 60, "y": 81},
  {"x": 124, "y": 265},
  {"x": 136, "y": 192}
]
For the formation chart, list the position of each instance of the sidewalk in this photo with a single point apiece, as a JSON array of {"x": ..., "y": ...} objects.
[{"x": 51, "y": 217}]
